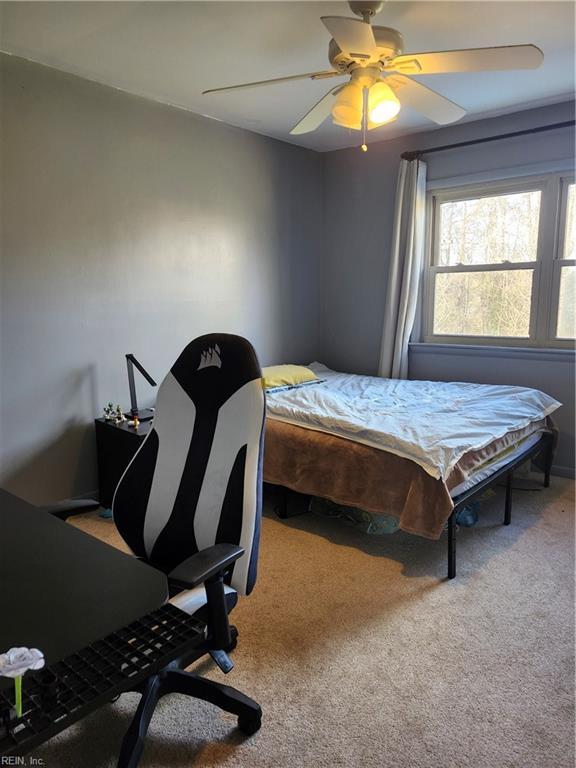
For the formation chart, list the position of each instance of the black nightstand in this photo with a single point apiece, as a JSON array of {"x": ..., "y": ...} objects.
[{"x": 116, "y": 444}]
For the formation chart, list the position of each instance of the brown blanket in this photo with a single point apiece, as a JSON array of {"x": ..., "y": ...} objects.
[{"x": 358, "y": 475}]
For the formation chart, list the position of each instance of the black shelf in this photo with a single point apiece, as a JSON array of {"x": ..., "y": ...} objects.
[
  {"x": 93, "y": 676},
  {"x": 116, "y": 445}
]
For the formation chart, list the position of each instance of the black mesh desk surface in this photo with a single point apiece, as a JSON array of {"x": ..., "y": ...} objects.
[{"x": 68, "y": 690}]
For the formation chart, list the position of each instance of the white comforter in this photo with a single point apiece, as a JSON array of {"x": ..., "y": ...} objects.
[{"x": 432, "y": 423}]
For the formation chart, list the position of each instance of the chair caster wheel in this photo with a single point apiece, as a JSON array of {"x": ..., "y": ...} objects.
[{"x": 251, "y": 724}]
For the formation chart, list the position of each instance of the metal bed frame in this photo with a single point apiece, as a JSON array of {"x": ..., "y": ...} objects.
[{"x": 545, "y": 445}]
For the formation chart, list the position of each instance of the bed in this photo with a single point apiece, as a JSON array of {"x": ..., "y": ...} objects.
[{"x": 417, "y": 450}]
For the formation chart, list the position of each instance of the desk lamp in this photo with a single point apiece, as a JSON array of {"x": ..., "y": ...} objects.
[{"x": 147, "y": 413}]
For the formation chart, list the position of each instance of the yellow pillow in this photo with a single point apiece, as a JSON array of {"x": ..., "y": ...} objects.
[{"x": 287, "y": 375}]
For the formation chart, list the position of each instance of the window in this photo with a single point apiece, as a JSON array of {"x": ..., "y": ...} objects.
[{"x": 502, "y": 266}]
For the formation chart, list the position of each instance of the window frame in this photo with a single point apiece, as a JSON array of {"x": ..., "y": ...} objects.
[
  {"x": 559, "y": 260},
  {"x": 547, "y": 266}
]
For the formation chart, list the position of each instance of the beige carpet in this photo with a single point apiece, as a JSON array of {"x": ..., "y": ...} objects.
[{"x": 362, "y": 655}]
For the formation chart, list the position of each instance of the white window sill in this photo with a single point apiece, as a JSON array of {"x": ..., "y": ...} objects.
[{"x": 485, "y": 350}]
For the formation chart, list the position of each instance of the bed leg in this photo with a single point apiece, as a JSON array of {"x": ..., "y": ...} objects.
[
  {"x": 290, "y": 503},
  {"x": 281, "y": 507},
  {"x": 452, "y": 545},
  {"x": 548, "y": 461},
  {"x": 508, "y": 501}
]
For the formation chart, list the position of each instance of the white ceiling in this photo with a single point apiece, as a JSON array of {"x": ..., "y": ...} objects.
[{"x": 171, "y": 51}]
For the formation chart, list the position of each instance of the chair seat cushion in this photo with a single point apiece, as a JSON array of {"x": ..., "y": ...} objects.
[{"x": 192, "y": 600}]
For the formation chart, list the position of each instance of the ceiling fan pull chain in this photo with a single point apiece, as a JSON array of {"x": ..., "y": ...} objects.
[{"x": 364, "y": 118}]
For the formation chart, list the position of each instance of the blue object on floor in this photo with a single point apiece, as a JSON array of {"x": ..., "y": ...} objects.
[
  {"x": 468, "y": 516},
  {"x": 373, "y": 524},
  {"x": 106, "y": 513}
]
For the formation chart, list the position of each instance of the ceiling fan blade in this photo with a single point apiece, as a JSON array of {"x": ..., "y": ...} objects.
[
  {"x": 307, "y": 75},
  {"x": 470, "y": 60},
  {"x": 355, "y": 38},
  {"x": 425, "y": 100},
  {"x": 319, "y": 112}
]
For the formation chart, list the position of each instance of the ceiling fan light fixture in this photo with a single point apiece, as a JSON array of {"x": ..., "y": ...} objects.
[
  {"x": 347, "y": 111},
  {"x": 383, "y": 105},
  {"x": 367, "y": 54}
]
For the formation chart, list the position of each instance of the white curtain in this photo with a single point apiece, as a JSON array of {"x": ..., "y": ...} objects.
[{"x": 406, "y": 259}]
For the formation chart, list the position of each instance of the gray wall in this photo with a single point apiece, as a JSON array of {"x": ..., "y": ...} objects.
[
  {"x": 359, "y": 202},
  {"x": 129, "y": 226}
]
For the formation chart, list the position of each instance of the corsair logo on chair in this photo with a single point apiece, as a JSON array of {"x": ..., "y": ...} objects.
[{"x": 210, "y": 357}]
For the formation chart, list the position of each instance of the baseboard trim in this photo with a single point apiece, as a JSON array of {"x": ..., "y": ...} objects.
[
  {"x": 563, "y": 471},
  {"x": 95, "y": 494}
]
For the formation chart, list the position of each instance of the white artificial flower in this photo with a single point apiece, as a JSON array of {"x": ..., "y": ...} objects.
[{"x": 17, "y": 661}]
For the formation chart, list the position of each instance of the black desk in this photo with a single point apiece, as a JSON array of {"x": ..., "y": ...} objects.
[
  {"x": 61, "y": 589},
  {"x": 98, "y": 615}
]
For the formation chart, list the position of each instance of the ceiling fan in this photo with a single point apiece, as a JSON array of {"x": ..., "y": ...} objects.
[{"x": 379, "y": 73}]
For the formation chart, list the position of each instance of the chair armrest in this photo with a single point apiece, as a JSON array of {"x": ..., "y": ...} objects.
[
  {"x": 208, "y": 567},
  {"x": 204, "y": 565},
  {"x": 65, "y": 509}
]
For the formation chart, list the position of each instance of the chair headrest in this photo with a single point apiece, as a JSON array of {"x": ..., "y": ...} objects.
[{"x": 212, "y": 367}]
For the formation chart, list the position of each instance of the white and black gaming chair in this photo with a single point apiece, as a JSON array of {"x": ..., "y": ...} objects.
[{"x": 189, "y": 503}]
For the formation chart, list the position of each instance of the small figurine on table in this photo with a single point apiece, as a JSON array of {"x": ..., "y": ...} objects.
[
  {"x": 109, "y": 414},
  {"x": 114, "y": 413},
  {"x": 119, "y": 417}
]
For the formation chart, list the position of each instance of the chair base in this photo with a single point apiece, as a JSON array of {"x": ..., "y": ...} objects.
[{"x": 175, "y": 680}]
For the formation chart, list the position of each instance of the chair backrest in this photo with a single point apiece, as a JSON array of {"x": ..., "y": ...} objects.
[{"x": 196, "y": 480}]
